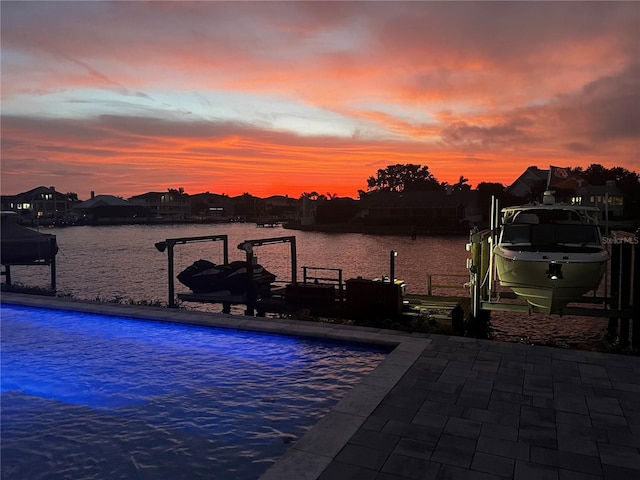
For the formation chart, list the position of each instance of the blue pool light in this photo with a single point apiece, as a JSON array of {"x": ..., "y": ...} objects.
[{"x": 182, "y": 398}]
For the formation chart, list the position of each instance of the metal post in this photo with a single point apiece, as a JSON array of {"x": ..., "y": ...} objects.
[
  {"x": 251, "y": 293},
  {"x": 225, "y": 249},
  {"x": 171, "y": 303},
  {"x": 495, "y": 222},
  {"x": 625, "y": 291},
  {"x": 53, "y": 273},
  {"x": 294, "y": 261},
  {"x": 606, "y": 213},
  {"x": 7, "y": 274},
  {"x": 483, "y": 269},
  {"x": 392, "y": 266},
  {"x": 475, "y": 262},
  {"x": 614, "y": 292},
  {"x": 635, "y": 300}
]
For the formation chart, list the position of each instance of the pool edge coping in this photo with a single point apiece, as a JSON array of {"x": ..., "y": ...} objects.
[{"x": 307, "y": 458}]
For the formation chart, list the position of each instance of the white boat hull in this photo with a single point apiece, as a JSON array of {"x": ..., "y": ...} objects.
[{"x": 527, "y": 274}]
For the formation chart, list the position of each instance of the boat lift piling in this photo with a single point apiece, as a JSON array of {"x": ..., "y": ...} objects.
[{"x": 625, "y": 287}]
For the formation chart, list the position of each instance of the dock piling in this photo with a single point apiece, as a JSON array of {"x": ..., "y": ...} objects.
[
  {"x": 625, "y": 290},
  {"x": 635, "y": 300}
]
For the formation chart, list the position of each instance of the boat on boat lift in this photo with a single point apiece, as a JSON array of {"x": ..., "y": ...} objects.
[{"x": 549, "y": 253}]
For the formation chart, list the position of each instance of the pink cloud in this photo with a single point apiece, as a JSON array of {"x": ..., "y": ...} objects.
[{"x": 448, "y": 84}]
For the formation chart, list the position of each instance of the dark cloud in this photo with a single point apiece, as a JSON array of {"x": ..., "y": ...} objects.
[
  {"x": 607, "y": 108},
  {"x": 505, "y": 31},
  {"x": 464, "y": 135}
]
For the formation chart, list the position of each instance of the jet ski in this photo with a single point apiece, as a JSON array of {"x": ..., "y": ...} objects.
[{"x": 204, "y": 276}]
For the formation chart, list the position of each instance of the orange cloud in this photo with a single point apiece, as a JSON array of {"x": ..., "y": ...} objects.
[{"x": 283, "y": 98}]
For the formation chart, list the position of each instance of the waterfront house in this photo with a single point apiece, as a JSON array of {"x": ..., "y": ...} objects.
[
  {"x": 530, "y": 184},
  {"x": 41, "y": 205},
  {"x": 608, "y": 198},
  {"x": 281, "y": 208},
  {"x": 169, "y": 206},
  {"x": 211, "y": 207},
  {"x": 109, "y": 209}
]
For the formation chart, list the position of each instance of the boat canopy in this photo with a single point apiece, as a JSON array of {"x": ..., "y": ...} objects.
[{"x": 23, "y": 246}]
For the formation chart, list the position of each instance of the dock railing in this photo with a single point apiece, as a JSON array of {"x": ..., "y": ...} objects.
[{"x": 317, "y": 275}]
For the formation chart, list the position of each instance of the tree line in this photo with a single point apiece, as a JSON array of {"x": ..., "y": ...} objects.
[{"x": 411, "y": 177}]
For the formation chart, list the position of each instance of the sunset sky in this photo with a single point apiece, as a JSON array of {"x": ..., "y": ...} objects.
[{"x": 271, "y": 98}]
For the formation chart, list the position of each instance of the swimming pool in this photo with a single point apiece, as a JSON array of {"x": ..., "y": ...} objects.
[{"x": 90, "y": 396}]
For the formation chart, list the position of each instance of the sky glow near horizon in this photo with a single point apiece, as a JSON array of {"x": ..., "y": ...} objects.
[{"x": 272, "y": 98}]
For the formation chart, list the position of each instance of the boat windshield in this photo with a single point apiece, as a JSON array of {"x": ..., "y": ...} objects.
[
  {"x": 573, "y": 216},
  {"x": 551, "y": 234}
]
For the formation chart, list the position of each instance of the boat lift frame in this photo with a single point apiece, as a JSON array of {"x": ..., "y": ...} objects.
[
  {"x": 169, "y": 245},
  {"x": 248, "y": 245}
]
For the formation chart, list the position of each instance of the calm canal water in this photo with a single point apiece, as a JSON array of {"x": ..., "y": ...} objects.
[{"x": 121, "y": 262}]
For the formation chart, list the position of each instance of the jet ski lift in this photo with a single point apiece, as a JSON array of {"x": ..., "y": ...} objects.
[{"x": 169, "y": 245}]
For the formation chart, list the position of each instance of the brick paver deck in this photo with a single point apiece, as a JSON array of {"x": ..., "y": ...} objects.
[{"x": 477, "y": 409}]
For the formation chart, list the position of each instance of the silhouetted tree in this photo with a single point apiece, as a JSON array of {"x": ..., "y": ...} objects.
[
  {"x": 403, "y": 178},
  {"x": 462, "y": 184},
  {"x": 177, "y": 191},
  {"x": 312, "y": 196},
  {"x": 596, "y": 174}
]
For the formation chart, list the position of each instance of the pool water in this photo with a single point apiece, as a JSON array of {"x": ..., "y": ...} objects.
[{"x": 97, "y": 397}]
